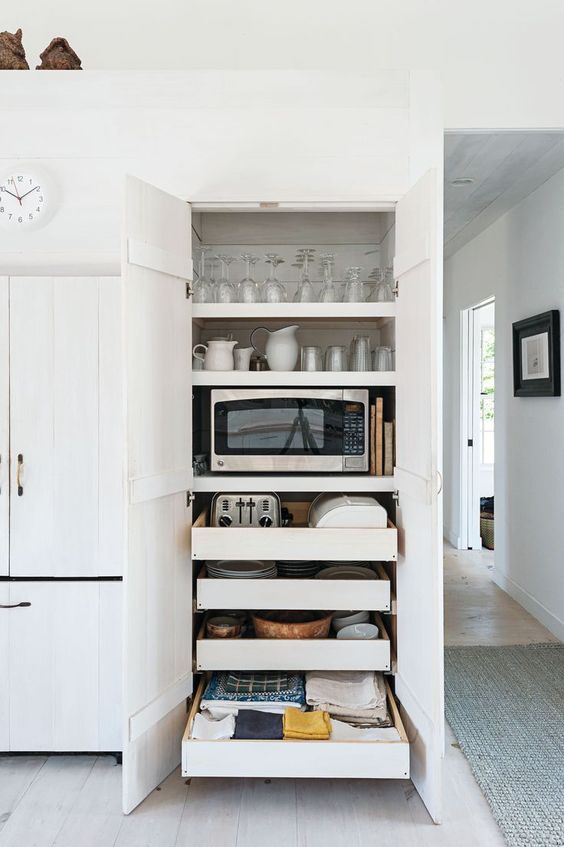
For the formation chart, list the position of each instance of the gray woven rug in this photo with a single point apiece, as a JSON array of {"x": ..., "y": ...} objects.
[{"x": 506, "y": 707}]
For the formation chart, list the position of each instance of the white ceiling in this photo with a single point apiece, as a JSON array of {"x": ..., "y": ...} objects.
[{"x": 505, "y": 167}]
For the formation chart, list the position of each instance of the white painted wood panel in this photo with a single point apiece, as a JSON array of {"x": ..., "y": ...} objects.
[
  {"x": 419, "y": 680},
  {"x": 322, "y": 654},
  {"x": 293, "y": 543},
  {"x": 4, "y": 666},
  {"x": 273, "y": 378},
  {"x": 157, "y": 568},
  {"x": 290, "y": 311},
  {"x": 4, "y": 426},
  {"x": 213, "y": 482},
  {"x": 66, "y": 423},
  {"x": 292, "y": 594},
  {"x": 110, "y": 666},
  {"x": 54, "y": 666}
]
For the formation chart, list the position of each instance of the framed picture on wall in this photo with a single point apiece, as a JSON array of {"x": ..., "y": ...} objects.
[{"x": 536, "y": 356}]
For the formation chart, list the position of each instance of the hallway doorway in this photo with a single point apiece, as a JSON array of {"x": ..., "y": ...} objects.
[{"x": 477, "y": 405}]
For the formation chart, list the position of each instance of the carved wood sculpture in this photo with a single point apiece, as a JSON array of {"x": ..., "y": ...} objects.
[
  {"x": 59, "y": 56},
  {"x": 12, "y": 53}
]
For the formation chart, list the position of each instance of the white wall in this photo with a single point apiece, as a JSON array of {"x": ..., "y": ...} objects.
[
  {"x": 520, "y": 260},
  {"x": 501, "y": 62}
]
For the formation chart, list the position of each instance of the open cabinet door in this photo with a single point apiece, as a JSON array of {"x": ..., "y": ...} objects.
[
  {"x": 157, "y": 570},
  {"x": 419, "y": 680}
]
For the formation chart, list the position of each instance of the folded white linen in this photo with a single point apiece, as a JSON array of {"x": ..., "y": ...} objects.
[
  {"x": 217, "y": 709},
  {"x": 346, "y": 690},
  {"x": 206, "y": 729},
  {"x": 341, "y": 731}
]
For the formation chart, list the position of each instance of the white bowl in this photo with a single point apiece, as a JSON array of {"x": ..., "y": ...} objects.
[
  {"x": 342, "y": 619},
  {"x": 359, "y": 632}
]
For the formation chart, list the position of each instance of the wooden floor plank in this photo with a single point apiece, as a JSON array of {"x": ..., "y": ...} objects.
[
  {"x": 42, "y": 811},
  {"x": 155, "y": 823},
  {"x": 324, "y": 810},
  {"x": 16, "y": 775},
  {"x": 211, "y": 814},
  {"x": 96, "y": 818},
  {"x": 268, "y": 813}
]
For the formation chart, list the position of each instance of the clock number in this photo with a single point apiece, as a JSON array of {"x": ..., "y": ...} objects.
[
  {"x": 2, "y": 210},
  {"x": 20, "y": 179},
  {"x": 38, "y": 209},
  {"x": 20, "y": 220},
  {"x": 30, "y": 216}
]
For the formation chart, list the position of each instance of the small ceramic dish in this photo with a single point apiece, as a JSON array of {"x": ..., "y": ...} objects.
[
  {"x": 223, "y": 627},
  {"x": 342, "y": 619},
  {"x": 359, "y": 632}
]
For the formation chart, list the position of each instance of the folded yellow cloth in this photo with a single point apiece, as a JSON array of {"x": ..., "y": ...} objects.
[{"x": 312, "y": 726}]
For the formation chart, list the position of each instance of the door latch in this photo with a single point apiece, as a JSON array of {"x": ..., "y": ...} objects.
[
  {"x": 395, "y": 497},
  {"x": 190, "y": 497}
]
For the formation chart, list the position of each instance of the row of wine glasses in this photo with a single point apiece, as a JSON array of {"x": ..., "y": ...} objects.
[{"x": 210, "y": 288}]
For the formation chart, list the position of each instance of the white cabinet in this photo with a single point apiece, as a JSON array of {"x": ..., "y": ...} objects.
[
  {"x": 61, "y": 657},
  {"x": 65, "y": 426},
  {"x": 4, "y": 427}
]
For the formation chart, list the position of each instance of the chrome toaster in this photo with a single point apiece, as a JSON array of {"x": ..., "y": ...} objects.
[{"x": 246, "y": 510}]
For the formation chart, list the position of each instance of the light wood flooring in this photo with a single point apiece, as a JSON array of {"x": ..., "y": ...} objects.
[{"x": 74, "y": 801}]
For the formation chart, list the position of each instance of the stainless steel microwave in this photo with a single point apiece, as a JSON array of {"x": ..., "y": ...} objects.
[{"x": 286, "y": 429}]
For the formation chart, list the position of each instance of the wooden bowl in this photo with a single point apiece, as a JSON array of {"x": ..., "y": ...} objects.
[
  {"x": 223, "y": 627},
  {"x": 292, "y": 624}
]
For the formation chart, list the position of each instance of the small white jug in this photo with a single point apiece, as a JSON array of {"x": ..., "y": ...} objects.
[
  {"x": 282, "y": 347},
  {"x": 218, "y": 355}
]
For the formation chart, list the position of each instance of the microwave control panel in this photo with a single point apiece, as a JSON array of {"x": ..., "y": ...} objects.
[{"x": 353, "y": 430}]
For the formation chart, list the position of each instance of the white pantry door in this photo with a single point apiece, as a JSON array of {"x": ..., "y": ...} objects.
[
  {"x": 157, "y": 569},
  {"x": 4, "y": 427},
  {"x": 419, "y": 680}
]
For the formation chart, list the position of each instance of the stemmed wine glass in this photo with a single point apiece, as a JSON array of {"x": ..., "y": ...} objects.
[
  {"x": 273, "y": 291},
  {"x": 304, "y": 292},
  {"x": 328, "y": 293},
  {"x": 203, "y": 291},
  {"x": 226, "y": 292},
  {"x": 354, "y": 290},
  {"x": 248, "y": 289}
]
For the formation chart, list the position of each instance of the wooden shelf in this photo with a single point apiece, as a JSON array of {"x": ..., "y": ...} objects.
[
  {"x": 362, "y": 379},
  {"x": 212, "y": 482},
  {"x": 289, "y": 311}
]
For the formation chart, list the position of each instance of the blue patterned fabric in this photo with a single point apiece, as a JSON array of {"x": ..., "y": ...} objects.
[{"x": 256, "y": 687}]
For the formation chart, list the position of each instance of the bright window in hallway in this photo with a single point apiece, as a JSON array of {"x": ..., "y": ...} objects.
[{"x": 487, "y": 376}]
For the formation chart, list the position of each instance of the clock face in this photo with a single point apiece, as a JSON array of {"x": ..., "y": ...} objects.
[{"x": 23, "y": 201}]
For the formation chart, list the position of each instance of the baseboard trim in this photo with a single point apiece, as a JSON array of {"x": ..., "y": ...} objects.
[
  {"x": 532, "y": 605},
  {"x": 452, "y": 537}
]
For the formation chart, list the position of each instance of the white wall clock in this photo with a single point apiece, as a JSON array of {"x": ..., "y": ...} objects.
[{"x": 25, "y": 199}]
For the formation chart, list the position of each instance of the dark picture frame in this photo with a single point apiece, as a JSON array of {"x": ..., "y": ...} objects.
[{"x": 536, "y": 356}]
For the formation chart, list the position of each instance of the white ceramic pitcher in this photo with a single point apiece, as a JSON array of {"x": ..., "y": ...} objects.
[
  {"x": 218, "y": 355},
  {"x": 282, "y": 348}
]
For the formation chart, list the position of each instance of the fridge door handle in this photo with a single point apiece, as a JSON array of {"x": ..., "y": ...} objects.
[
  {"x": 15, "y": 605},
  {"x": 19, "y": 475}
]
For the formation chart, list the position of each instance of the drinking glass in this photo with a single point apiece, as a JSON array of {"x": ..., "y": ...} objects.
[
  {"x": 273, "y": 291},
  {"x": 248, "y": 290},
  {"x": 336, "y": 358},
  {"x": 385, "y": 288},
  {"x": 304, "y": 292},
  {"x": 203, "y": 291},
  {"x": 226, "y": 292},
  {"x": 382, "y": 359},
  {"x": 374, "y": 278},
  {"x": 328, "y": 293},
  {"x": 360, "y": 353},
  {"x": 312, "y": 359},
  {"x": 354, "y": 288}
]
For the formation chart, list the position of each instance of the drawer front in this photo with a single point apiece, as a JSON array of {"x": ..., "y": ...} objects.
[
  {"x": 372, "y": 595},
  {"x": 295, "y": 759},
  {"x": 257, "y": 654},
  {"x": 295, "y": 543}
]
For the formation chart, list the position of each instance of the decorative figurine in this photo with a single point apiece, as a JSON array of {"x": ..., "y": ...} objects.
[
  {"x": 12, "y": 53},
  {"x": 59, "y": 56}
]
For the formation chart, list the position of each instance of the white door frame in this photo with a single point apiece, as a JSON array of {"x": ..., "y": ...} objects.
[{"x": 469, "y": 428}]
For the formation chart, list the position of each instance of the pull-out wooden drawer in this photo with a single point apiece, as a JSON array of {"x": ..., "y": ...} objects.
[
  {"x": 295, "y": 542},
  {"x": 372, "y": 595},
  {"x": 270, "y": 654},
  {"x": 294, "y": 759}
]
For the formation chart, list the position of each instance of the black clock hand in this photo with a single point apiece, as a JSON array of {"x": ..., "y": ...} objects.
[
  {"x": 11, "y": 195},
  {"x": 28, "y": 192}
]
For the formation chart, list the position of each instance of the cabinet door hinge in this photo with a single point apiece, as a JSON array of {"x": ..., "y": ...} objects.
[
  {"x": 395, "y": 497},
  {"x": 190, "y": 497},
  {"x": 470, "y": 442},
  {"x": 189, "y": 290},
  {"x": 395, "y": 289}
]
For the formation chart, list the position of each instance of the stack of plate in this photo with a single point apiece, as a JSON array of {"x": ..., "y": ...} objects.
[
  {"x": 244, "y": 569},
  {"x": 346, "y": 572},
  {"x": 297, "y": 569}
]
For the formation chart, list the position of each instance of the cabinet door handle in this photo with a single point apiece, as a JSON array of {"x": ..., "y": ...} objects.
[
  {"x": 19, "y": 475},
  {"x": 15, "y": 605}
]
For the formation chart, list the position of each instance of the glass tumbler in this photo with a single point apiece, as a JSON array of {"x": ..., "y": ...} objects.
[
  {"x": 336, "y": 358},
  {"x": 382, "y": 359},
  {"x": 361, "y": 359},
  {"x": 312, "y": 359},
  {"x": 354, "y": 287}
]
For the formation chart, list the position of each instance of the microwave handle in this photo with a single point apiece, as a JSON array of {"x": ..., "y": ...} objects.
[{"x": 256, "y": 329}]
